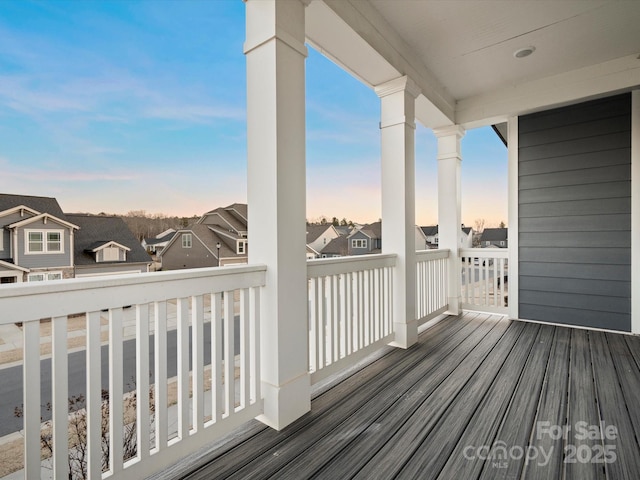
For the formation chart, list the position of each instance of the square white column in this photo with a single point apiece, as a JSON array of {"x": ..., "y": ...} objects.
[
  {"x": 276, "y": 54},
  {"x": 450, "y": 205},
  {"x": 397, "y": 127}
]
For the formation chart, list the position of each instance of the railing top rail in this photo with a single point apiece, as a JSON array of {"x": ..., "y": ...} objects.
[
  {"x": 334, "y": 266},
  {"x": 25, "y": 302},
  {"x": 485, "y": 252},
  {"x": 433, "y": 254}
]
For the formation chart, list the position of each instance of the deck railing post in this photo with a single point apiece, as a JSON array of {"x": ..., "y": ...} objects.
[
  {"x": 397, "y": 127},
  {"x": 275, "y": 53},
  {"x": 449, "y": 206}
]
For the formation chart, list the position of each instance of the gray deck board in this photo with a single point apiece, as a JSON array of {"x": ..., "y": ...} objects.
[{"x": 471, "y": 380}]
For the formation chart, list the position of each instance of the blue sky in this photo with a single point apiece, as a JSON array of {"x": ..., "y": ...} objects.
[{"x": 115, "y": 106}]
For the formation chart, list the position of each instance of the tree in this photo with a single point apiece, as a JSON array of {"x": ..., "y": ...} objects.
[
  {"x": 479, "y": 224},
  {"x": 503, "y": 225},
  {"x": 343, "y": 222},
  {"x": 335, "y": 222}
]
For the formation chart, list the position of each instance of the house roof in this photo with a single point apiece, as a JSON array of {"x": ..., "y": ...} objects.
[
  {"x": 209, "y": 238},
  {"x": 467, "y": 230},
  {"x": 337, "y": 246},
  {"x": 371, "y": 230},
  {"x": 98, "y": 230},
  {"x": 40, "y": 204},
  {"x": 232, "y": 217},
  {"x": 8, "y": 265},
  {"x": 430, "y": 230},
  {"x": 315, "y": 231},
  {"x": 164, "y": 238},
  {"x": 494, "y": 234}
]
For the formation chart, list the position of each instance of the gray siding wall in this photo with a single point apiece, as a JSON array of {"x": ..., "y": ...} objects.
[
  {"x": 176, "y": 257},
  {"x": 5, "y": 251},
  {"x": 575, "y": 214},
  {"x": 360, "y": 251},
  {"x": 45, "y": 260}
]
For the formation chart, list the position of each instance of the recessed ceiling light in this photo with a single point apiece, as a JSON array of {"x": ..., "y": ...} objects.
[{"x": 524, "y": 52}]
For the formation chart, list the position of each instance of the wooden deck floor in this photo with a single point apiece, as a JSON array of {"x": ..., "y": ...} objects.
[{"x": 475, "y": 386}]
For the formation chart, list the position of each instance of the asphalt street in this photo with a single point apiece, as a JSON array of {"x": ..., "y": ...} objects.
[{"x": 11, "y": 378}]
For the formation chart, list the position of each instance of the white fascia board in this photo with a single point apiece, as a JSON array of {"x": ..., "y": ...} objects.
[
  {"x": 9, "y": 211},
  {"x": 42, "y": 216},
  {"x": 112, "y": 244},
  {"x": 604, "y": 79},
  {"x": 12, "y": 266}
]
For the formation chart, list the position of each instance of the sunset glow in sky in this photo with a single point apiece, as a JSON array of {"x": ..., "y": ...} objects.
[{"x": 119, "y": 106}]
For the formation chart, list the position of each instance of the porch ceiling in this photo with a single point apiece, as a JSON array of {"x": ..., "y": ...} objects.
[{"x": 463, "y": 51}]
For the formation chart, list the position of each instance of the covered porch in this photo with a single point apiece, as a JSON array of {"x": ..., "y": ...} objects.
[{"x": 281, "y": 325}]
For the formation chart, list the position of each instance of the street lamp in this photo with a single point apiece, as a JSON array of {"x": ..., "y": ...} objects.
[{"x": 218, "y": 247}]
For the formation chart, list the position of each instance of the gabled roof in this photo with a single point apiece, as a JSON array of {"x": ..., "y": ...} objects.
[
  {"x": 23, "y": 208},
  {"x": 98, "y": 231},
  {"x": 168, "y": 235},
  {"x": 232, "y": 217},
  {"x": 45, "y": 217},
  {"x": 337, "y": 246},
  {"x": 430, "y": 230},
  {"x": 315, "y": 231},
  {"x": 494, "y": 234},
  {"x": 100, "y": 245},
  {"x": 371, "y": 230},
  {"x": 467, "y": 230},
  {"x": 39, "y": 204},
  {"x": 209, "y": 238}
]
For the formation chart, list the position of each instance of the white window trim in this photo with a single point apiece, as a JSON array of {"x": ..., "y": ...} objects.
[
  {"x": 46, "y": 276},
  {"x": 359, "y": 243},
  {"x": 242, "y": 247},
  {"x": 184, "y": 237},
  {"x": 45, "y": 250}
]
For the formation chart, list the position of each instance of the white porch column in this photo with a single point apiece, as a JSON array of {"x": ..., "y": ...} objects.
[
  {"x": 276, "y": 53},
  {"x": 449, "y": 205},
  {"x": 397, "y": 126}
]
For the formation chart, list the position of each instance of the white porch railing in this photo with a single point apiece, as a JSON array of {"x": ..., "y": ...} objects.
[
  {"x": 484, "y": 279},
  {"x": 350, "y": 310},
  {"x": 432, "y": 280},
  {"x": 228, "y": 298}
]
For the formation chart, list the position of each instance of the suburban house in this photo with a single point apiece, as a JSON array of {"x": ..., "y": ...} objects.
[
  {"x": 104, "y": 245},
  {"x": 431, "y": 235},
  {"x": 155, "y": 244},
  {"x": 217, "y": 239},
  {"x": 366, "y": 239},
  {"x": 562, "y": 80},
  {"x": 495, "y": 237},
  {"x": 319, "y": 236},
  {"x": 36, "y": 241},
  {"x": 338, "y": 247},
  {"x": 39, "y": 242}
]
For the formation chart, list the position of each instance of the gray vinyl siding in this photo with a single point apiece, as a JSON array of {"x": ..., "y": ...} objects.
[
  {"x": 45, "y": 260},
  {"x": 5, "y": 251},
  {"x": 574, "y": 184},
  {"x": 176, "y": 257},
  {"x": 359, "y": 251}
]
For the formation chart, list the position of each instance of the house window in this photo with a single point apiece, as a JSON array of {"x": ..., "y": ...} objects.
[
  {"x": 502, "y": 243},
  {"x": 358, "y": 243},
  {"x": 48, "y": 241},
  {"x": 41, "y": 277},
  {"x": 36, "y": 243},
  {"x": 242, "y": 247},
  {"x": 187, "y": 241}
]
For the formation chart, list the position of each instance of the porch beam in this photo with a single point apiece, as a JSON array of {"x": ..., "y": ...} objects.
[
  {"x": 275, "y": 54},
  {"x": 397, "y": 126},
  {"x": 450, "y": 205}
]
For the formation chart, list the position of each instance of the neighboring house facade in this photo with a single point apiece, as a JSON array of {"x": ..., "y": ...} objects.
[
  {"x": 39, "y": 242},
  {"x": 104, "y": 245},
  {"x": 37, "y": 239},
  {"x": 338, "y": 247},
  {"x": 156, "y": 244},
  {"x": 319, "y": 236},
  {"x": 366, "y": 240},
  {"x": 495, "y": 237},
  {"x": 431, "y": 235},
  {"x": 218, "y": 238}
]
